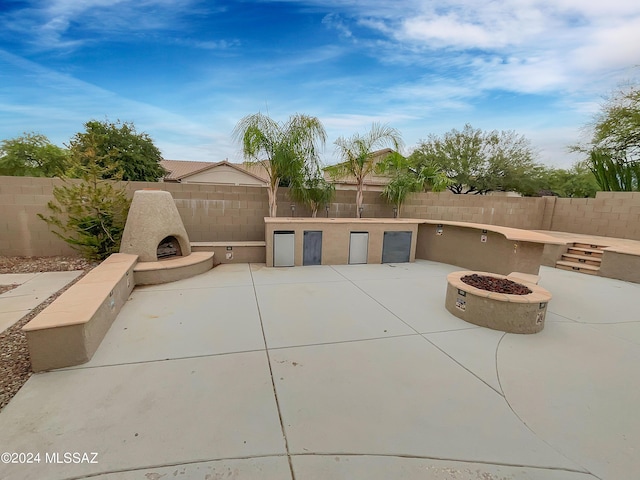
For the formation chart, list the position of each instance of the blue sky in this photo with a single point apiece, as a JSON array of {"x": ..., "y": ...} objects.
[{"x": 185, "y": 71}]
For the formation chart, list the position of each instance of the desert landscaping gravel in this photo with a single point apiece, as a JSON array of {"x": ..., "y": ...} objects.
[{"x": 15, "y": 365}]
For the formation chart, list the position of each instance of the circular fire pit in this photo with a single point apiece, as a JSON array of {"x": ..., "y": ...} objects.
[{"x": 478, "y": 298}]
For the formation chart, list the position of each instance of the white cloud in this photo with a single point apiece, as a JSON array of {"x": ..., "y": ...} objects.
[
  {"x": 47, "y": 24},
  {"x": 450, "y": 31},
  {"x": 610, "y": 47},
  {"x": 334, "y": 21},
  {"x": 527, "y": 75},
  {"x": 518, "y": 45}
]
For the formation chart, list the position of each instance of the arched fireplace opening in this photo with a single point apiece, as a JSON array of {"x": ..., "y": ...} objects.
[{"x": 169, "y": 247}]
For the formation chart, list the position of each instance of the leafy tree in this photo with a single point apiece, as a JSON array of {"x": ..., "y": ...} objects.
[
  {"x": 578, "y": 181},
  {"x": 90, "y": 215},
  {"x": 31, "y": 155},
  {"x": 285, "y": 150},
  {"x": 134, "y": 154},
  {"x": 614, "y": 149},
  {"x": 313, "y": 190},
  {"x": 408, "y": 178},
  {"x": 479, "y": 162},
  {"x": 617, "y": 126},
  {"x": 358, "y": 155}
]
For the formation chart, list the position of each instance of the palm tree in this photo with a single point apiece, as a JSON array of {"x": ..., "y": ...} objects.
[
  {"x": 409, "y": 178},
  {"x": 313, "y": 190},
  {"x": 357, "y": 154},
  {"x": 285, "y": 150},
  {"x": 614, "y": 174}
]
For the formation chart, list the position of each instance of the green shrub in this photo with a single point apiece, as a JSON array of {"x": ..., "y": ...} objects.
[{"x": 89, "y": 215}]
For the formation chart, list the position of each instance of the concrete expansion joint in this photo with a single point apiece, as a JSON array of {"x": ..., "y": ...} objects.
[
  {"x": 498, "y": 369},
  {"x": 607, "y": 323},
  {"x": 273, "y": 382},
  {"x": 444, "y": 459},
  {"x": 340, "y": 342},
  {"x": 176, "y": 465},
  {"x": 158, "y": 360},
  {"x": 521, "y": 420},
  {"x": 374, "y": 299},
  {"x": 501, "y": 393}
]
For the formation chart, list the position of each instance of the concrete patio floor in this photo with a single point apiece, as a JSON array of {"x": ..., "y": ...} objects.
[
  {"x": 343, "y": 372},
  {"x": 32, "y": 290}
]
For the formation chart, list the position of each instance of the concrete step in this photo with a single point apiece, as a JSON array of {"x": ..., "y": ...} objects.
[
  {"x": 592, "y": 252},
  {"x": 577, "y": 267},
  {"x": 589, "y": 246},
  {"x": 583, "y": 259}
]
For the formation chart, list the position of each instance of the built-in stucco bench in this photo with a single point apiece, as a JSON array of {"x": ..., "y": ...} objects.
[
  {"x": 173, "y": 269},
  {"x": 69, "y": 331},
  {"x": 233, "y": 252},
  {"x": 622, "y": 263}
]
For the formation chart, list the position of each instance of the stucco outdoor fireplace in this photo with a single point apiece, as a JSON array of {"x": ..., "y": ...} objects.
[
  {"x": 154, "y": 229},
  {"x": 155, "y": 232}
]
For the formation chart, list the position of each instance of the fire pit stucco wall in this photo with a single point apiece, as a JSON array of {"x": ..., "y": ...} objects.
[{"x": 498, "y": 311}]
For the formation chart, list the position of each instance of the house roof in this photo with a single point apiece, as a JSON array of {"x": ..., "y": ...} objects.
[{"x": 179, "y": 169}]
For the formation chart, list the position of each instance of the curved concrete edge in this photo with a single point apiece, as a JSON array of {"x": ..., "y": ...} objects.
[
  {"x": 165, "y": 271},
  {"x": 378, "y": 467},
  {"x": 498, "y": 311},
  {"x": 576, "y": 388}
]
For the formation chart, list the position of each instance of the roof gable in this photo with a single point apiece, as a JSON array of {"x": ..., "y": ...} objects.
[{"x": 180, "y": 169}]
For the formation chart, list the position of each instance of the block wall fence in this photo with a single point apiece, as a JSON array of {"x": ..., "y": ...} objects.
[{"x": 235, "y": 213}]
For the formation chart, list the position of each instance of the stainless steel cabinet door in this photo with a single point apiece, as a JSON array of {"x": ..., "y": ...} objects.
[
  {"x": 396, "y": 247},
  {"x": 359, "y": 247},
  {"x": 283, "y": 248},
  {"x": 312, "y": 248}
]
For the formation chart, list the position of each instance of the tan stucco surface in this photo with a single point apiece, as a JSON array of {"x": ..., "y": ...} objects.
[
  {"x": 69, "y": 331},
  {"x": 172, "y": 269},
  {"x": 152, "y": 217},
  {"x": 336, "y": 236}
]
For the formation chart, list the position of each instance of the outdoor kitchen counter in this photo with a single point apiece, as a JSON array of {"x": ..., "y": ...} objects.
[{"x": 473, "y": 246}]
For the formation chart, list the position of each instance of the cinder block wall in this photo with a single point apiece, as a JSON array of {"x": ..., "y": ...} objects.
[
  {"x": 610, "y": 214},
  {"x": 21, "y": 231},
  {"x": 233, "y": 213},
  {"x": 513, "y": 212}
]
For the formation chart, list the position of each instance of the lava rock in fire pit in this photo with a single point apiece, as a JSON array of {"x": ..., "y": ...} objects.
[{"x": 497, "y": 285}]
